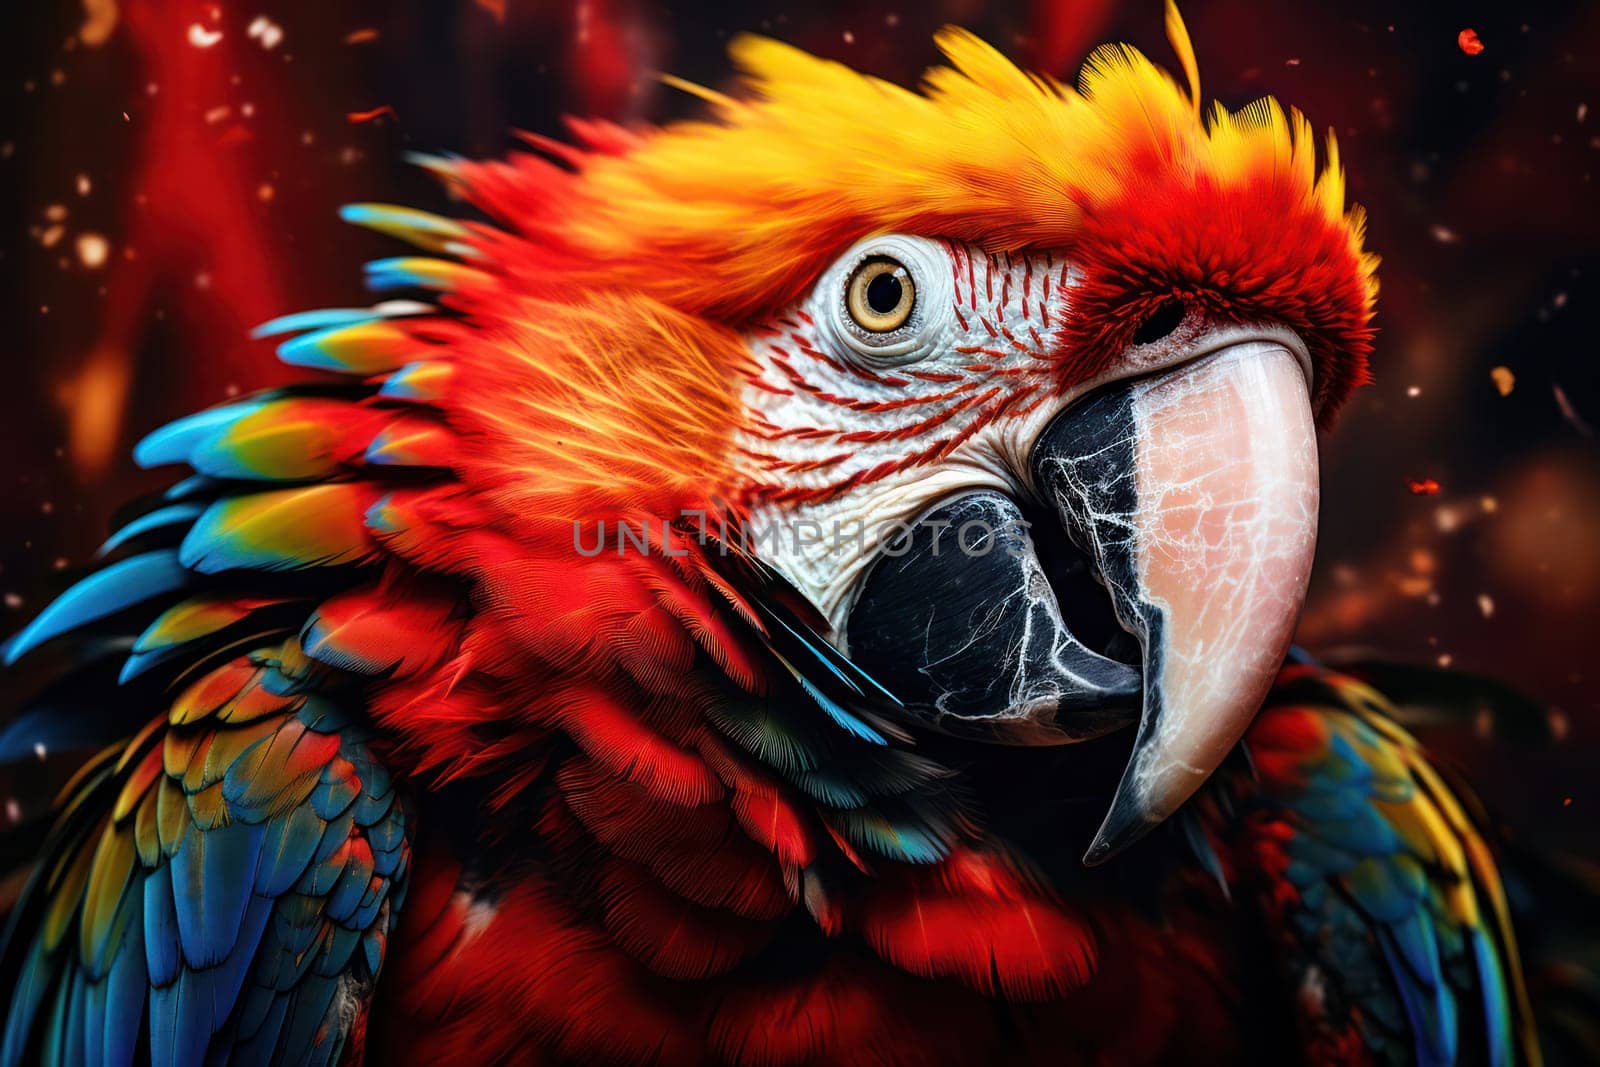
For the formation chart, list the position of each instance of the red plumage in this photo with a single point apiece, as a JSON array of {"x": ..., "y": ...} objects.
[{"x": 651, "y": 811}]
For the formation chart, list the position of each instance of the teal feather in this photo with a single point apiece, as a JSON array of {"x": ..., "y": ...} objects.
[
  {"x": 836, "y": 664},
  {"x": 834, "y": 790},
  {"x": 93, "y": 1015},
  {"x": 1361, "y": 884},
  {"x": 163, "y": 955},
  {"x": 759, "y": 730},
  {"x": 848, "y": 722},
  {"x": 26, "y": 998},
  {"x": 174, "y": 1039},
  {"x": 191, "y": 487},
  {"x": 261, "y": 1048},
  {"x": 387, "y": 834},
  {"x": 312, "y": 320},
  {"x": 171, "y": 515},
  {"x": 1319, "y": 855},
  {"x": 213, "y": 875},
  {"x": 403, "y": 383},
  {"x": 386, "y": 861},
  {"x": 318, "y": 350},
  {"x": 1194, "y": 834},
  {"x": 333, "y": 795},
  {"x": 1496, "y": 1000},
  {"x": 170, "y": 973},
  {"x": 433, "y": 232},
  {"x": 382, "y": 518},
  {"x": 177, "y": 441},
  {"x": 124, "y": 995},
  {"x": 220, "y": 541},
  {"x": 1432, "y": 1011},
  {"x": 347, "y": 892},
  {"x": 139, "y": 663},
  {"x": 257, "y": 998},
  {"x": 63, "y": 1045},
  {"x": 326, "y": 317},
  {"x": 286, "y": 850},
  {"x": 908, "y": 839},
  {"x": 1418, "y": 947},
  {"x": 337, "y": 950},
  {"x": 1322, "y": 803},
  {"x": 1341, "y": 765},
  {"x": 400, "y": 272},
  {"x": 212, "y": 992},
  {"x": 1387, "y": 888},
  {"x": 104, "y": 593},
  {"x": 313, "y": 998}
]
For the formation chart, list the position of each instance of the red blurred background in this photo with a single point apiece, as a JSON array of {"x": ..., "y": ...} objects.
[{"x": 174, "y": 167}]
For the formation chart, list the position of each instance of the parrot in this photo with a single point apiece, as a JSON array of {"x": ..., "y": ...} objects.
[{"x": 809, "y": 582}]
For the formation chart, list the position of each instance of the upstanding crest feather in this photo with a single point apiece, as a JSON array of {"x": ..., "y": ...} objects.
[{"x": 697, "y": 830}]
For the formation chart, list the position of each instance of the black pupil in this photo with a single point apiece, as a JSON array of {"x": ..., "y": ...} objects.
[
  {"x": 1162, "y": 321},
  {"x": 883, "y": 293}
]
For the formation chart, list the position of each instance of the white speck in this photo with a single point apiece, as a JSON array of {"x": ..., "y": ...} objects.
[
  {"x": 201, "y": 37},
  {"x": 39, "y": 750},
  {"x": 1314, "y": 990},
  {"x": 266, "y": 31},
  {"x": 92, "y": 250},
  {"x": 1486, "y": 605},
  {"x": 476, "y": 914}
]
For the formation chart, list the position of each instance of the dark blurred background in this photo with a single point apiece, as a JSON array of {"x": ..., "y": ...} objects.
[{"x": 172, "y": 169}]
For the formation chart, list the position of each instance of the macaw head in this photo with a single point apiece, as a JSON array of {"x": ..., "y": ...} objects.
[{"x": 1017, "y": 383}]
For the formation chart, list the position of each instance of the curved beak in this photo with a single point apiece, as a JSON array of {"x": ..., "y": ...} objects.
[{"x": 1194, "y": 492}]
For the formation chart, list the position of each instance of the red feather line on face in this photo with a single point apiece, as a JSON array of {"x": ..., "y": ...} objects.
[
  {"x": 1003, "y": 379},
  {"x": 613, "y": 295},
  {"x": 635, "y": 708},
  {"x": 730, "y": 219}
]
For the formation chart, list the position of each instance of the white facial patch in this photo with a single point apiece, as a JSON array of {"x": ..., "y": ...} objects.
[{"x": 852, "y": 435}]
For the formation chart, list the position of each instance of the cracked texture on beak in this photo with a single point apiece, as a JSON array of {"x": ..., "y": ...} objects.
[{"x": 1195, "y": 493}]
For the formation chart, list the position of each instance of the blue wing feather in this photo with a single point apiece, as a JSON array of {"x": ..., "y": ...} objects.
[
  {"x": 226, "y": 908},
  {"x": 171, "y": 515},
  {"x": 104, "y": 593},
  {"x": 177, "y": 441},
  {"x": 1393, "y": 898}
]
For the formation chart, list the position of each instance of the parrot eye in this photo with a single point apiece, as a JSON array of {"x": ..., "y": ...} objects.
[
  {"x": 880, "y": 295},
  {"x": 887, "y": 302},
  {"x": 1160, "y": 322}
]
